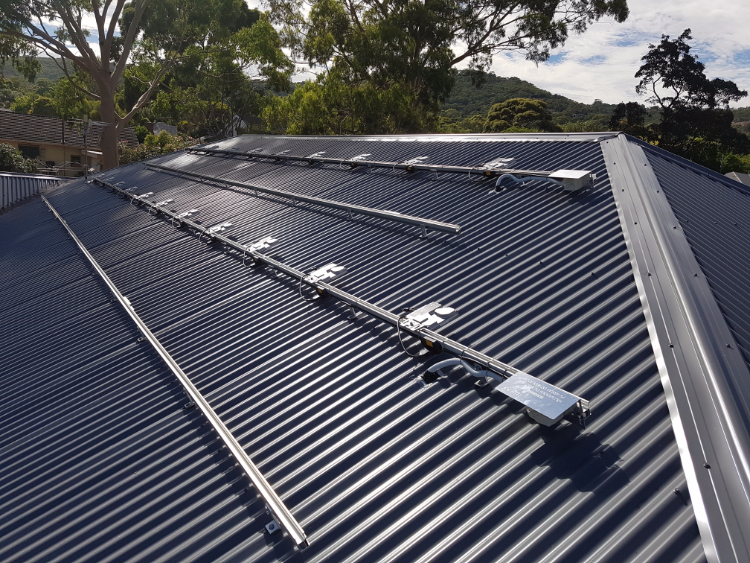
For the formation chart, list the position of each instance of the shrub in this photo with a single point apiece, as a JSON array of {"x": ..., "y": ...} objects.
[
  {"x": 13, "y": 161},
  {"x": 153, "y": 145}
]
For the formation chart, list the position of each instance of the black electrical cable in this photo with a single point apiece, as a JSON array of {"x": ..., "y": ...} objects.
[
  {"x": 302, "y": 296},
  {"x": 403, "y": 315}
]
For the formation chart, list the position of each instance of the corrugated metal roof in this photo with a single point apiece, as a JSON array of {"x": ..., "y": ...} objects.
[
  {"x": 716, "y": 220},
  {"x": 373, "y": 465},
  {"x": 28, "y": 128},
  {"x": 17, "y": 187}
]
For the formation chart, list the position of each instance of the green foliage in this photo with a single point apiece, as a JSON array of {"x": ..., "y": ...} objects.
[
  {"x": 736, "y": 163},
  {"x": 48, "y": 70},
  {"x": 630, "y": 118},
  {"x": 370, "y": 47},
  {"x": 13, "y": 161},
  {"x": 24, "y": 104},
  {"x": 519, "y": 113},
  {"x": 140, "y": 132},
  {"x": 466, "y": 100},
  {"x": 227, "y": 75},
  {"x": 696, "y": 121},
  {"x": 44, "y": 105},
  {"x": 334, "y": 106},
  {"x": 154, "y": 145}
]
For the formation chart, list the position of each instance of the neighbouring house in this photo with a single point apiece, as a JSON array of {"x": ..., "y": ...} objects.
[
  {"x": 740, "y": 177},
  {"x": 59, "y": 144}
]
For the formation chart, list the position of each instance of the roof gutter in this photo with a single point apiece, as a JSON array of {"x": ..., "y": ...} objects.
[{"x": 694, "y": 351}]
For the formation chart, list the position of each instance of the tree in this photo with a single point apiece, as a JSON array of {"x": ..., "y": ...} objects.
[
  {"x": 630, "y": 118},
  {"x": 155, "y": 31},
  {"x": 418, "y": 44},
  {"x": 334, "y": 106},
  {"x": 696, "y": 121},
  {"x": 519, "y": 113},
  {"x": 214, "y": 87}
]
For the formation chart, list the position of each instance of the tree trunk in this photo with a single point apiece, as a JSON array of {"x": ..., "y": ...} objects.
[{"x": 108, "y": 140}]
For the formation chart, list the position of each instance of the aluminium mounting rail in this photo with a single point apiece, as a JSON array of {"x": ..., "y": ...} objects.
[
  {"x": 501, "y": 369},
  {"x": 280, "y": 512},
  {"x": 351, "y": 208},
  {"x": 355, "y": 162}
]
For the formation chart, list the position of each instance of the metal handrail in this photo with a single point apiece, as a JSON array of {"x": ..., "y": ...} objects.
[{"x": 279, "y": 511}]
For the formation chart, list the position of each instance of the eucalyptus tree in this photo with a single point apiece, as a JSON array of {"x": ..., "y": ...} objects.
[
  {"x": 101, "y": 38},
  {"x": 419, "y": 43}
]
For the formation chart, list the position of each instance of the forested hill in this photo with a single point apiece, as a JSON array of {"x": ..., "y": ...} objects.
[
  {"x": 468, "y": 100},
  {"x": 49, "y": 70}
]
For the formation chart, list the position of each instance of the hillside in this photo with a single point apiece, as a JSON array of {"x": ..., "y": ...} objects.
[
  {"x": 49, "y": 70},
  {"x": 467, "y": 100}
]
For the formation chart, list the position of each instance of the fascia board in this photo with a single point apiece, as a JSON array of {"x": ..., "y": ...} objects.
[{"x": 694, "y": 350}]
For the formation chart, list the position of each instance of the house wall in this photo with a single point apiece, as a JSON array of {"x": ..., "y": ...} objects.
[{"x": 59, "y": 155}]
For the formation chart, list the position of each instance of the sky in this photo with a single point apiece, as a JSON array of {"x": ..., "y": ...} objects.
[{"x": 602, "y": 62}]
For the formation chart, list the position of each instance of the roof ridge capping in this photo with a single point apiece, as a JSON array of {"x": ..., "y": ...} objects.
[
  {"x": 705, "y": 379},
  {"x": 590, "y": 137}
]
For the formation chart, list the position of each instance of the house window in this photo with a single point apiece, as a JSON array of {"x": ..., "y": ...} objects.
[{"x": 29, "y": 151}]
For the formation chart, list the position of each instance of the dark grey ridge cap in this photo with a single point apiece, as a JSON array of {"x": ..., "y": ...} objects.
[
  {"x": 275, "y": 505},
  {"x": 697, "y": 357},
  {"x": 466, "y": 137},
  {"x": 692, "y": 166}
]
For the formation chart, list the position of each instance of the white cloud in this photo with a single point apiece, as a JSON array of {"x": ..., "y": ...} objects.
[{"x": 602, "y": 62}]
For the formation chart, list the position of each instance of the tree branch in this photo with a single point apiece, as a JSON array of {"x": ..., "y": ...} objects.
[
  {"x": 123, "y": 121},
  {"x": 127, "y": 45}
]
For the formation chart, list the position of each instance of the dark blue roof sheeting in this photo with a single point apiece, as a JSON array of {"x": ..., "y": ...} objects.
[
  {"x": 375, "y": 466},
  {"x": 715, "y": 215}
]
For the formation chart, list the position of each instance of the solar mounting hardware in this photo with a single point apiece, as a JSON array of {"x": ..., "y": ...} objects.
[
  {"x": 426, "y": 316},
  {"x": 422, "y": 332},
  {"x": 497, "y": 164},
  {"x": 326, "y": 273},
  {"x": 416, "y": 160},
  {"x": 263, "y": 244},
  {"x": 211, "y": 231},
  {"x": 163, "y": 203},
  {"x": 480, "y": 170},
  {"x": 545, "y": 403},
  {"x": 426, "y": 224},
  {"x": 184, "y": 215},
  {"x": 274, "y": 504},
  {"x": 311, "y": 158}
]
